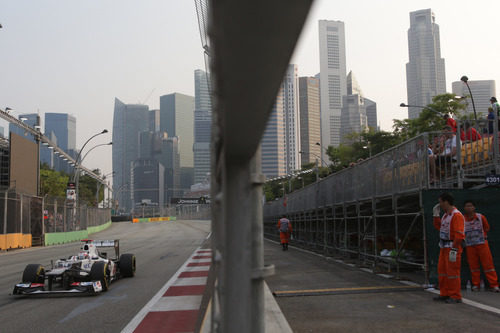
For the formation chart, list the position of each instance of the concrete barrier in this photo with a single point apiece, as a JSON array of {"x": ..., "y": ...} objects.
[
  {"x": 15, "y": 241},
  {"x": 154, "y": 219},
  {"x": 73, "y": 236}
]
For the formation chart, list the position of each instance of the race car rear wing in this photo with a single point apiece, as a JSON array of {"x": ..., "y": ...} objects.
[{"x": 114, "y": 243}]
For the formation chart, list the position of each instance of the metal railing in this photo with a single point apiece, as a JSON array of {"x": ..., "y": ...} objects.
[{"x": 373, "y": 211}]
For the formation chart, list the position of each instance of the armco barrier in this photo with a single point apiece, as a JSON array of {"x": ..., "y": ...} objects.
[
  {"x": 154, "y": 219},
  {"x": 72, "y": 236},
  {"x": 15, "y": 241}
]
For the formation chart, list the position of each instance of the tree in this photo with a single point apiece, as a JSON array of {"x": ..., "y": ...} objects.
[{"x": 431, "y": 118}]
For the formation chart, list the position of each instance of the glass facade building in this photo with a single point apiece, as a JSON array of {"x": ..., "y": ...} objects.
[{"x": 202, "y": 125}]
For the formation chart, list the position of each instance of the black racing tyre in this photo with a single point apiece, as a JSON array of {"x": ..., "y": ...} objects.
[
  {"x": 127, "y": 265},
  {"x": 99, "y": 272},
  {"x": 34, "y": 273}
]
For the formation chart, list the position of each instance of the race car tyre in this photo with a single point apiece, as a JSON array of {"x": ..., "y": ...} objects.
[
  {"x": 34, "y": 273},
  {"x": 99, "y": 272},
  {"x": 127, "y": 265}
]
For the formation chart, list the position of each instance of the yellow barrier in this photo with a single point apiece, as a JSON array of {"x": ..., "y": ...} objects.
[
  {"x": 473, "y": 150},
  {"x": 151, "y": 219},
  {"x": 14, "y": 241}
]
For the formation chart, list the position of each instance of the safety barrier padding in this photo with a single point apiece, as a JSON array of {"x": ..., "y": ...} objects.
[
  {"x": 15, "y": 241},
  {"x": 154, "y": 219},
  {"x": 73, "y": 236}
]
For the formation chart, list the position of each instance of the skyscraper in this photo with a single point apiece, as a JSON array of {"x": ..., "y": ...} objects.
[
  {"x": 291, "y": 116},
  {"x": 273, "y": 141},
  {"x": 332, "y": 60},
  {"x": 129, "y": 120},
  {"x": 176, "y": 118},
  {"x": 371, "y": 114},
  {"x": 353, "y": 116},
  {"x": 482, "y": 91},
  {"x": 30, "y": 119},
  {"x": 63, "y": 127},
  {"x": 202, "y": 125},
  {"x": 310, "y": 119},
  {"x": 425, "y": 72}
]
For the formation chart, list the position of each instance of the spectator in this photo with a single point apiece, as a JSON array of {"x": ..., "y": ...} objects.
[
  {"x": 470, "y": 133},
  {"x": 491, "y": 119},
  {"x": 450, "y": 122},
  {"x": 445, "y": 155},
  {"x": 496, "y": 108}
]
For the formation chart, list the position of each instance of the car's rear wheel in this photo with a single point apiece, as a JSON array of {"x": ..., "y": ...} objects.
[
  {"x": 127, "y": 265},
  {"x": 34, "y": 273},
  {"x": 99, "y": 272}
]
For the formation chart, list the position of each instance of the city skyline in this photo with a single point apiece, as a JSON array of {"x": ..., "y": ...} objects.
[{"x": 48, "y": 54}]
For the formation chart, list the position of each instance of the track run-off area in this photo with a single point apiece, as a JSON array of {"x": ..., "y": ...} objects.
[{"x": 161, "y": 248}]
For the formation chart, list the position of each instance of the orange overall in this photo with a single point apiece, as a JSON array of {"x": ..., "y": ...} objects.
[
  {"x": 285, "y": 236},
  {"x": 478, "y": 250},
  {"x": 451, "y": 234}
]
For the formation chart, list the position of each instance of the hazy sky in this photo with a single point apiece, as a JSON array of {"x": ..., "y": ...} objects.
[{"x": 77, "y": 56}]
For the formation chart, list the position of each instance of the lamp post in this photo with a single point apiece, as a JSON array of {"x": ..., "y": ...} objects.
[
  {"x": 77, "y": 165},
  {"x": 465, "y": 80},
  {"x": 403, "y": 105},
  {"x": 98, "y": 186}
]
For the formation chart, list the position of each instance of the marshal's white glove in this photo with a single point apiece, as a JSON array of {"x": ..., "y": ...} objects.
[
  {"x": 436, "y": 210},
  {"x": 453, "y": 255}
]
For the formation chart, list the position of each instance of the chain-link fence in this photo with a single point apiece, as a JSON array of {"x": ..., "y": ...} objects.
[{"x": 63, "y": 216}]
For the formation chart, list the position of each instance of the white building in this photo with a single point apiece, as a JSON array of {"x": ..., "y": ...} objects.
[
  {"x": 482, "y": 91},
  {"x": 273, "y": 141},
  {"x": 425, "y": 72},
  {"x": 202, "y": 125},
  {"x": 291, "y": 117},
  {"x": 332, "y": 80}
]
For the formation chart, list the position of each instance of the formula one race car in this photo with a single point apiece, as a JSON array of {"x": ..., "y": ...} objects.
[{"x": 90, "y": 271}]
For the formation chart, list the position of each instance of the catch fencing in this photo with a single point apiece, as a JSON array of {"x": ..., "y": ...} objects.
[{"x": 373, "y": 212}]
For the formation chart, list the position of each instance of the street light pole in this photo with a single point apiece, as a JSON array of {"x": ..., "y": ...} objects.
[{"x": 465, "y": 80}]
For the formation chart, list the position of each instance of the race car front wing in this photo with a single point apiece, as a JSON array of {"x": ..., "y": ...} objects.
[{"x": 90, "y": 287}]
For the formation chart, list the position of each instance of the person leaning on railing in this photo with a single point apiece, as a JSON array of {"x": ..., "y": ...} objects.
[
  {"x": 445, "y": 154},
  {"x": 491, "y": 119},
  {"x": 470, "y": 133}
]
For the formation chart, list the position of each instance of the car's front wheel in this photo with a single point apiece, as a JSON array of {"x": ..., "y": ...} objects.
[
  {"x": 34, "y": 273},
  {"x": 99, "y": 272}
]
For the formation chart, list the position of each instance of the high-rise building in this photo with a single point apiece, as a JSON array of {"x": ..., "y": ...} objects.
[
  {"x": 129, "y": 120},
  {"x": 353, "y": 116},
  {"x": 176, "y": 118},
  {"x": 273, "y": 141},
  {"x": 154, "y": 120},
  {"x": 202, "y": 125},
  {"x": 147, "y": 182},
  {"x": 425, "y": 72},
  {"x": 482, "y": 91},
  {"x": 63, "y": 127},
  {"x": 310, "y": 120},
  {"x": 332, "y": 58},
  {"x": 371, "y": 114},
  {"x": 30, "y": 119},
  {"x": 291, "y": 116}
]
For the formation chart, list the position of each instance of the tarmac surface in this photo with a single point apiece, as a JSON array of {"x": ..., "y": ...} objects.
[
  {"x": 320, "y": 295},
  {"x": 160, "y": 248}
]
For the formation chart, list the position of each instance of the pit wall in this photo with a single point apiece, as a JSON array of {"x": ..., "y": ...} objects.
[
  {"x": 154, "y": 219},
  {"x": 73, "y": 236}
]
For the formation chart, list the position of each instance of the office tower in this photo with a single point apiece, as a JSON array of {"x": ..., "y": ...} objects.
[
  {"x": 202, "y": 125},
  {"x": 147, "y": 183},
  {"x": 332, "y": 80},
  {"x": 425, "y": 72},
  {"x": 63, "y": 127},
  {"x": 176, "y": 119},
  {"x": 371, "y": 114},
  {"x": 291, "y": 116},
  {"x": 353, "y": 117},
  {"x": 30, "y": 119},
  {"x": 154, "y": 120},
  {"x": 482, "y": 91},
  {"x": 47, "y": 155},
  {"x": 170, "y": 158},
  {"x": 310, "y": 120},
  {"x": 129, "y": 120},
  {"x": 273, "y": 141}
]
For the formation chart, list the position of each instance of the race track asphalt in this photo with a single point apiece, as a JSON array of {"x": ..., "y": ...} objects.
[{"x": 160, "y": 248}]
